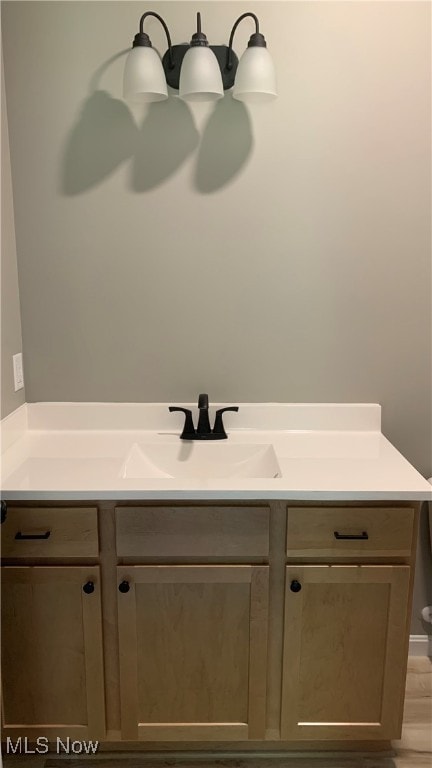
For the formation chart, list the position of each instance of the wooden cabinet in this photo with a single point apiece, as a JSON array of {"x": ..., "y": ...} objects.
[
  {"x": 51, "y": 640},
  {"x": 193, "y": 631},
  {"x": 193, "y": 652},
  {"x": 193, "y": 637},
  {"x": 51, "y": 643},
  {"x": 348, "y": 587}
]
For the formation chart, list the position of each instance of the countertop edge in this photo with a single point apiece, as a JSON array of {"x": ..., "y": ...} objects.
[{"x": 177, "y": 495}]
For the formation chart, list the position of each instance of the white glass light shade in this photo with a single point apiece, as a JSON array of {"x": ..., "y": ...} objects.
[
  {"x": 255, "y": 79},
  {"x": 200, "y": 76},
  {"x": 144, "y": 78}
]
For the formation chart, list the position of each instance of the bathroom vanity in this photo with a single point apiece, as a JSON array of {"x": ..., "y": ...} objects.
[{"x": 206, "y": 613}]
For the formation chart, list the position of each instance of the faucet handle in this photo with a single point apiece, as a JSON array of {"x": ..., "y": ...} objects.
[
  {"x": 218, "y": 429},
  {"x": 203, "y": 401},
  {"x": 188, "y": 429}
]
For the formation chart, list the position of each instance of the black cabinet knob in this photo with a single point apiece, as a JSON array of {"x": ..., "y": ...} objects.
[
  {"x": 295, "y": 586},
  {"x": 124, "y": 587},
  {"x": 88, "y": 588}
]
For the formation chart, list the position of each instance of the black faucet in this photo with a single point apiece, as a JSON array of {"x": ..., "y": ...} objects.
[{"x": 203, "y": 431}]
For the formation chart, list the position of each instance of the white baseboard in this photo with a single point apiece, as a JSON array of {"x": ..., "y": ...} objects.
[{"x": 420, "y": 645}]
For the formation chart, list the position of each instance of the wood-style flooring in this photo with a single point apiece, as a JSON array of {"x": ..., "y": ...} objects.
[{"x": 413, "y": 750}]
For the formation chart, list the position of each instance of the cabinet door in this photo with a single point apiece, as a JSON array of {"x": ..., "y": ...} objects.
[
  {"x": 345, "y": 645},
  {"x": 193, "y": 652},
  {"x": 51, "y": 643}
]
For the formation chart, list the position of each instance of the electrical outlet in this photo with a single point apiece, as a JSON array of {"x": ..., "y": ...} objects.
[{"x": 18, "y": 371}]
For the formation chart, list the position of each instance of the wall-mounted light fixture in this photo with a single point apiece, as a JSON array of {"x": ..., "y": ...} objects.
[{"x": 199, "y": 71}]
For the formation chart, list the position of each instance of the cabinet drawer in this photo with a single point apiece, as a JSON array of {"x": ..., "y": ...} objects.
[
  {"x": 192, "y": 531},
  {"x": 31, "y": 532},
  {"x": 349, "y": 531}
]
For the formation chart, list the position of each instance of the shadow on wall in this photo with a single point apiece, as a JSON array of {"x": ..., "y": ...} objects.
[
  {"x": 106, "y": 135},
  {"x": 225, "y": 146}
]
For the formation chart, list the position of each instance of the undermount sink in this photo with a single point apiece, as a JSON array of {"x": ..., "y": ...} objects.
[{"x": 200, "y": 460}]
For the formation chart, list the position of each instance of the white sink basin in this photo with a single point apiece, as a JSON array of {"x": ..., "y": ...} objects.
[{"x": 200, "y": 460}]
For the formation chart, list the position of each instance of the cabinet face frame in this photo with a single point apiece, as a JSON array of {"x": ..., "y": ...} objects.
[
  {"x": 395, "y": 650},
  {"x": 35, "y": 576},
  {"x": 254, "y": 728}
]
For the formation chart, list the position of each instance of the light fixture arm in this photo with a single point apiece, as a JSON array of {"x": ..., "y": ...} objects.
[
  {"x": 143, "y": 39},
  {"x": 257, "y": 39}
]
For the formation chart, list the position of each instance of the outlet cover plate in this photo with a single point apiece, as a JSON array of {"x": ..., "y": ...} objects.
[{"x": 18, "y": 371}]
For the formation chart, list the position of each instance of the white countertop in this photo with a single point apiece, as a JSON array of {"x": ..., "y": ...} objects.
[{"x": 325, "y": 452}]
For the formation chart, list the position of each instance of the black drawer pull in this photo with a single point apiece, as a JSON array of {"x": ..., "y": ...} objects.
[
  {"x": 32, "y": 536},
  {"x": 88, "y": 588},
  {"x": 295, "y": 586},
  {"x": 351, "y": 536},
  {"x": 124, "y": 587}
]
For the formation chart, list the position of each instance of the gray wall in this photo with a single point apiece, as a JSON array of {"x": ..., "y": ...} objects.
[
  {"x": 276, "y": 253},
  {"x": 11, "y": 342}
]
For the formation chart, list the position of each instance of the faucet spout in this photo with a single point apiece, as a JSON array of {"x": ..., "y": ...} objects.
[{"x": 203, "y": 428}]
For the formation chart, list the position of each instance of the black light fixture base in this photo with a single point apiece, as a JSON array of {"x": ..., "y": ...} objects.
[{"x": 172, "y": 73}]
